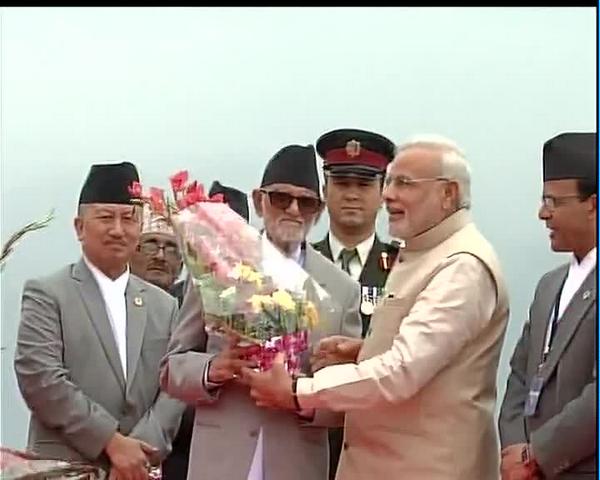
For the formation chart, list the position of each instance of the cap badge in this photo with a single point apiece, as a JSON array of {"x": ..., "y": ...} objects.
[{"x": 353, "y": 149}]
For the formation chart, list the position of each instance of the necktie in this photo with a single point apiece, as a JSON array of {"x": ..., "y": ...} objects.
[{"x": 346, "y": 256}]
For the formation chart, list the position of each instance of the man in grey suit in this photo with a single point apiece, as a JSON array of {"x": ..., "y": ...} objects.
[
  {"x": 90, "y": 342},
  {"x": 548, "y": 417},
  {"x": 233, "y": 439}
]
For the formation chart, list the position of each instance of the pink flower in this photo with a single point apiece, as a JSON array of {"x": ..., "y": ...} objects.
[
  {"x": 135, "y": 190},
  {"x": 194, "y": 193},
  {"x": 157, "y": 200},
  {"x": 179, "y": 180}
]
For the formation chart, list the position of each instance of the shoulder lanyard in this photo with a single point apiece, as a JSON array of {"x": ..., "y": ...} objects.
[{"x": 551, "y": 329}]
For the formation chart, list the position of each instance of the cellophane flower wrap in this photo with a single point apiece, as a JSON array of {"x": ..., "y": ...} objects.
[
  {"x": 248, "y": 287},
  {"x": 21, "y": 465}
]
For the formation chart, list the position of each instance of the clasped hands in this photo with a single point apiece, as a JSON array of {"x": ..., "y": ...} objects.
[
  {"x": 519, "y": 466},
  {"x": 273, "y": 388}
]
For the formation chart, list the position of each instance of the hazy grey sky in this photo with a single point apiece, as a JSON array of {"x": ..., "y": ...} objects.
[{"x": 219, "y": 90}]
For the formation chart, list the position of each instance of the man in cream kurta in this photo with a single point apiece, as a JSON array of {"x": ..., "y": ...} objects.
[{"x": 426, "y": 372}]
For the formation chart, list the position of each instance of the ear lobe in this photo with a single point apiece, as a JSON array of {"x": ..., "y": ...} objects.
[
  {"x": 257, "y": 202},
  {"x": 78, "y": 224}
]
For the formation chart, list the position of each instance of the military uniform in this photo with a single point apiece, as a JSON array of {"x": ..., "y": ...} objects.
[
  {"x": 365, "y": 155},
  {"x": 373, "y": 275}
]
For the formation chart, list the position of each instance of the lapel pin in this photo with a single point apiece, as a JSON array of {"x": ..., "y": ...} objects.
[
  {"x": 138, "y": 302},
  {"x": 586, "y": 294}
]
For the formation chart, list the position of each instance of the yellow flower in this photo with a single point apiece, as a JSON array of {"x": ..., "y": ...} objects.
[
  {"x": 246, "y": 273},
  {"x": 258, "y": 301},
  {"x": 311, "y": 315},
  {"x": 284, "y": 300}
]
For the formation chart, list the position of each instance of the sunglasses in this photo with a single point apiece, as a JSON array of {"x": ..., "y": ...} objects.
[{"x": 282, "y": 201}]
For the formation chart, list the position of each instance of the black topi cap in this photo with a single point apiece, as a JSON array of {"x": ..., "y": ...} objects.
[
  {"x": 109, "y": 183},
  {"x": 236, "y": 199},
  {"x": 295, "y": 165}
]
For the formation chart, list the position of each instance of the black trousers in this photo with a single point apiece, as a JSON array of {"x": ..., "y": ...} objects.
[{"x": 175, "y": 466}]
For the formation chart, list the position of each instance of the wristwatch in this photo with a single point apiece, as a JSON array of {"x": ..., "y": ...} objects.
[{"x": 294, "y": 386}]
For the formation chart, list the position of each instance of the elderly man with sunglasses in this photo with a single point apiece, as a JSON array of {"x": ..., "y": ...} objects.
[
  {"x": 234, "y": 439},
  {"x": 419, "y": 391}
]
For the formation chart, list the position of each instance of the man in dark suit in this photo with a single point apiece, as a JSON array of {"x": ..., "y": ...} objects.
[
  {"x": 548, "y": 417},
  {"x": 354, "y": 163},
  {"x": 90, "y": 341}
]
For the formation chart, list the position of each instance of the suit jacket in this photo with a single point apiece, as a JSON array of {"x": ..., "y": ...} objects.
[
  {"x": 227, "y": 421},
  {"x": 69, "y": 372},
  {"x": 175, "y": 466},
  {"x": 563, "y": 431},
  {"x": 373, "y": 273}
]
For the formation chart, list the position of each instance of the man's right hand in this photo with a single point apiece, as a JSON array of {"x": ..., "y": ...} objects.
[
  {"x": 129, "y": 457},
  {"x": 335, "y": 350},
  {"x": 228, "y": 363},
  {"x": 515, "y": 467}
]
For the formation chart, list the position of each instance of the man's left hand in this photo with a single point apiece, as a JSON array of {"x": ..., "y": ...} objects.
[{"x": 271, "y": 389}]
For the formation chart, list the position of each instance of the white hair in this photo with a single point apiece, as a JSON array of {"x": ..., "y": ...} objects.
[{"x": 453, "y": 164}]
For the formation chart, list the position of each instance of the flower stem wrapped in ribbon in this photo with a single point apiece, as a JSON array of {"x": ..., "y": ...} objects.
[{"x": 248, "y": 287}]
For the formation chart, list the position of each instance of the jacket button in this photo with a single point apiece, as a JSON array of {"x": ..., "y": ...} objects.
[
  {"x": 254, "y": 433},
  {"x": 345, "y": 445}
]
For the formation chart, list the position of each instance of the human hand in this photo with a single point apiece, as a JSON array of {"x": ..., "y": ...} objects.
[
  {"x": 517, "y": 466},
  {"x": 273, "y": 388},
  {"x": 227, "y": 364},
  {"x": 335, "y": 350},
  {"x": 129, "y": 457}
]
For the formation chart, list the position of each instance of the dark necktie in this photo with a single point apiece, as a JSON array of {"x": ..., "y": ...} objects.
[{"x": 347, "y": 256}]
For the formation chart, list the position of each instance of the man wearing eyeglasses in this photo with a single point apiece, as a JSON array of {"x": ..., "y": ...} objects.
[
  {"x": 157, "y": 258},
  {"x": 263, "y": 444},
  {"x": 354, "y": 163},
  {"x": 548, "y": 418},
  {"x": 419, "y": 391}
]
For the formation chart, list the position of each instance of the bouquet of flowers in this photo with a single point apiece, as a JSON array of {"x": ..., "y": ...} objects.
[
  {"x": 248, "y": 287},
  {"x": 18, "y": 465}
]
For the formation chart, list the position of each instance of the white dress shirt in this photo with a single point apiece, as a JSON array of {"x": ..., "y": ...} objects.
[
  {"x": 256, "y": 467},
  {"x": 113, "y": 293},
  {"x": 578, "y": 272},
  {"x": 358, "y": 262}
]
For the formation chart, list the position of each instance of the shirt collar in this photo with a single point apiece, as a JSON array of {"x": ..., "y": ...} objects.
[
  {"x": 363, "y": 248},
  {"x": 587, "y": 264},
  {"x": 119, "y": 284}
]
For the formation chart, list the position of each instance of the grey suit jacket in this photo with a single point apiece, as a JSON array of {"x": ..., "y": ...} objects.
[
  {"x": 69, "y": 372},
  {"x": 563, "y": 432},
  {"x": 227, "y": 422}
]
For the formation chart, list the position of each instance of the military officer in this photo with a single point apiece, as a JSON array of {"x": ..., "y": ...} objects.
[{"x": 354, "y": 163}]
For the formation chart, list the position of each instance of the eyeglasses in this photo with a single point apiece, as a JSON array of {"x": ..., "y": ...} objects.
[
  {"x": 403, "y": 182},
  {"x": 152, "y": 248},
  {"x": 283, "y": 200},
  {"x": 551, "y": 202}
]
